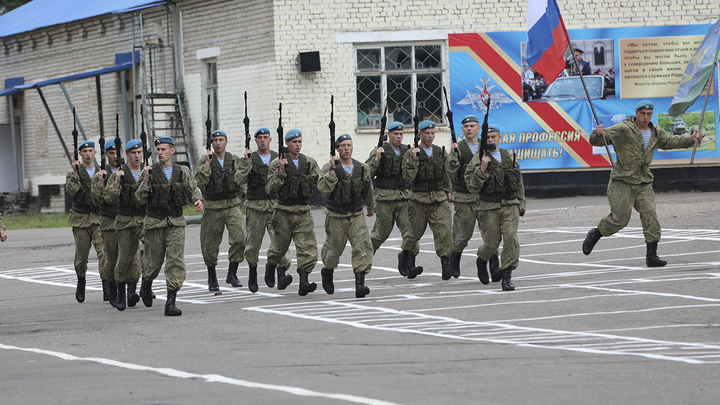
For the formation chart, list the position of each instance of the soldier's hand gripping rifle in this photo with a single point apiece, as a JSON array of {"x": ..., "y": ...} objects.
[
  {"x": 246, "y": 121},
  {"x": 208, "y": 129},
  {"x": 332, "y": 125},
  {"x": 449, "y": 116},
  {"x": 102, "y": 147},
  {"x": 416, "y": 122},
  {"x": 383, "y": 125},
  {"x": 143, "y": 138},
  {"x": 484, "y": 146},
  {"x": 75, "y": 140},
  {"x": 118, "y": 143}
]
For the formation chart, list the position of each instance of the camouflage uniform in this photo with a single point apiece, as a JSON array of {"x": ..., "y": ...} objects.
[
  {"x": 2, "y": 225},
  {"x": 631, "y": 181},
  {"x": 221, "y": 188},
  {"x": 502, "y": 195},
  {"x": 292, "y": 219},
  {"x": 85, "y": 223},
  {"x": 259, "y": 211},
  {"x": 107, "y": 228},
  {"x": 346, "y": 195},
  {"x": 391, "y": 194},
  {"x": 165, "y": 224}
]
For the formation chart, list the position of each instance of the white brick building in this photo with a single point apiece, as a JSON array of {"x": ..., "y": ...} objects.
[{"x": 252, "y": 46}]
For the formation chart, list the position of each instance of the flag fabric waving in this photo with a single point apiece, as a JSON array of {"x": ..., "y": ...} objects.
[
  {"x": 547, "y": 38},
  {"x": 698, "y": 72}
]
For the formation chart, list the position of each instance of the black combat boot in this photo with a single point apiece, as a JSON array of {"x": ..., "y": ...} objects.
[
  {"x": 455, "y": 263},
  {"x": 252, "y": 279},
  {"x": 402, "y": 262},
  {"x": 506, "y": 276},
  {"x": 106, "y": 294},
  {"x": 269, "y": 275},
  {"x": 593, "y": 236},
  {"x": 232, "y": 275},
  {"x": 412, "y": 270},
  {"x": 305, "y": 286},
  {"x": 146, "y": 292},
  {"x": 80, "y": 290},
  {"x": 170, "y": 308},
  {"x": 482, "y": 270},
  {"x": 360, "y": 290},
  {"x": 132, "y": 297},
  {"x": 445, "y": 265},
  {"x": 120, "y": 303},
  {"x": 284, "y": 280},
  {"x": 212, "y": 279},
  {"x": 112, "y": 293},
  {"x": 651, "y": 258},
  {"x": 327, "y": 280},
  {"x": 495, "y": 272}
]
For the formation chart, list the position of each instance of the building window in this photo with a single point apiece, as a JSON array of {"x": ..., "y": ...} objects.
[
  {"x": 599, "y": 56},
  {"x": 395, "y": 73},
  {"x": 211, "y": 89}
]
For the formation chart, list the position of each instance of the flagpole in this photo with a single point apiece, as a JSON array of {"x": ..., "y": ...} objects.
[
  {"x": 587, "y": 93},
  {"x": 702, "y": 115}
]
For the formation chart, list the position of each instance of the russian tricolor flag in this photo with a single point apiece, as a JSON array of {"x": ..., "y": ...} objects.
[{"x": 547, "y": 38}]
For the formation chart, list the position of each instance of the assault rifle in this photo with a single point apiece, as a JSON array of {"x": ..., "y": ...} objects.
[
  {"x": 332, "y": 125},
  {"x": 449, "y": 116},
  {"x": 143, "y": 138},
  {"x": 208, "y": 129},
  {"x": 416, "y": 122},
  {"x": 102, "y": 146},
  {"x": 118, "y": 144},
  {"x": 246, "y": 121},
  {"x": 281, "y": 135},
  {"x": 75, "y": 139},
  {"x": 483, "y": 136},
  {"x": 383, "y": 125}
]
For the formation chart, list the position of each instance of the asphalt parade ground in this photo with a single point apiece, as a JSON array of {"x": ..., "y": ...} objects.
[{"x": 598, "y": 329}]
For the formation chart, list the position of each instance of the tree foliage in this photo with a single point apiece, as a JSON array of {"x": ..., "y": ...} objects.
[{"x": 9, "y": 5}]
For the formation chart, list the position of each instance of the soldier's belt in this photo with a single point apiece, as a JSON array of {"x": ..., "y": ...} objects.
[
  {"x": 295, "y": 201},
  {"x": 84, "y": 209},
  {"x": 131, "y": 212},
  {"x": 220, "y": 197},
  {"x": 263, "y": 196},
  {"x": 497, "y": 197},
  {"x": 162, "y": 214}
]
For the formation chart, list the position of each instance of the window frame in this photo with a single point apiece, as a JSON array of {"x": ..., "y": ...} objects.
[{"x": 212, "y": 89}]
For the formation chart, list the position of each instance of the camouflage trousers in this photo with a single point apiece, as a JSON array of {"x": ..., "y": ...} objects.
[
  {"x": 256, "y": 223},
  {"x": 110, "y": 242},
  {"x": 497, "y": 224},
  {"x": 212, "y": 228},
  {"x": 439, "y": 217},
  {"x": 463, "y": 224},
  {"x": 84, "y": 237},
  {"x": 297, "y": 227},
  {"x": 341, "y": 229},
  {"x": 129, "y": 261},
  {"x": 623, "y": 198},
  {"x": 387, "y": 214},
  {"x": 165, "y": 244}
]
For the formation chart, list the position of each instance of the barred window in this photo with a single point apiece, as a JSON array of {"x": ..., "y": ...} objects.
[
  {"x": 211, "y": 88},
  {"x": 397, "y": 74}
]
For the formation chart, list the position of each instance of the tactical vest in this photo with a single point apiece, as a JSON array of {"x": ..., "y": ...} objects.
[
  {"x": 222, "y": 185},
  {"x": 349, "y": 190},
  {"x": 431, "y": 171},
  {"x": 298, "y": 186},
  {"x": 107, "y": 210},
  {"x": 82, "y": 200},
  {"x": 389, "y": 172},
  {"x": 167, "y": 198},
  {"x": 504, "y": 180},
  {"x": 465, "y": 157},
  {"x": 128, "y": 204},
  {"x": 258, "y": 178}
]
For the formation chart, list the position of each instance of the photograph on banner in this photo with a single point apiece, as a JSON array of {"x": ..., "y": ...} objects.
[
  {"x": 686, "y": 124},
  {"x": 632, "y": 63}
]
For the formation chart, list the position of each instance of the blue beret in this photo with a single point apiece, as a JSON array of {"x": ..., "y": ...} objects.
[
  {"x": 111, "y": 144},
  {"x": 426, "y": 124},
  {"x": 261, "y": 131},
  {"x": 343, "y": 137},
  {"x": 86, "y": 144},
  {"x": 292, "y": 134},
  {"x": 645, "y": 104},
  {"x": 133, "y": 144},
  {"x": 470, "y": 118},
  {"x": 165, "y": 139},
  {"x": 396, "y": 126},
  {"x": 219, "y": 133},
  {"x": 493, "y": 128}
]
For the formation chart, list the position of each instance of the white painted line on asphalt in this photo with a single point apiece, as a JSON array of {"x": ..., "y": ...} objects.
[{"x": 211, "y": 378}]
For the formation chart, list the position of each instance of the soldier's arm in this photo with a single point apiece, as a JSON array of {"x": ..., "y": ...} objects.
[
  {"x": 242, "y": 170},
  {"x": 112, "y": 194},
  {"x": 202, "y": 176},
  {"x": 314, "y": 170},
  {"x": 275, "y": 179},
  {"x": 370, "y": 162},
  {"x": 191, "y": 185},
  {"x": 327, "y": 181},
  {"x": 447, "y": 182},
  {"x": 409, "y": 166},
  {"x": 521, "y": 192},
  {"x": 596, "y": 140},
  {"x": 97, "y": 192},
  {"x": 474, "y": 180},
  {"x": 452, "y": 165},
  {"x": 672, "y": 141},
  {"x": 72, "y": 183},
  {"x": 142, "y": 194},
  {"x": 369, "y": 194}
]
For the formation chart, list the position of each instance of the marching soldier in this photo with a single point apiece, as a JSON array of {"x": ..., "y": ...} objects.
[
  {"x": 496, "y": 178},
  {"x": 426, "y": 167},
  {"x": 293, "y": 178},
  {"x": 173, "y": 186},
  {"x": 221, "y": 175},
  {"x": 348, "y": 186},
  {"x": 84, "y": 219},
  {"x": 465, "y": 202},
  {"x": 391, "y": 190},
  {"x": 108, "y": 212},
  {"x": 260, "y": 207},
  {"x": 121, "y": 188},
  {"x": 3, "y": 235}
]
